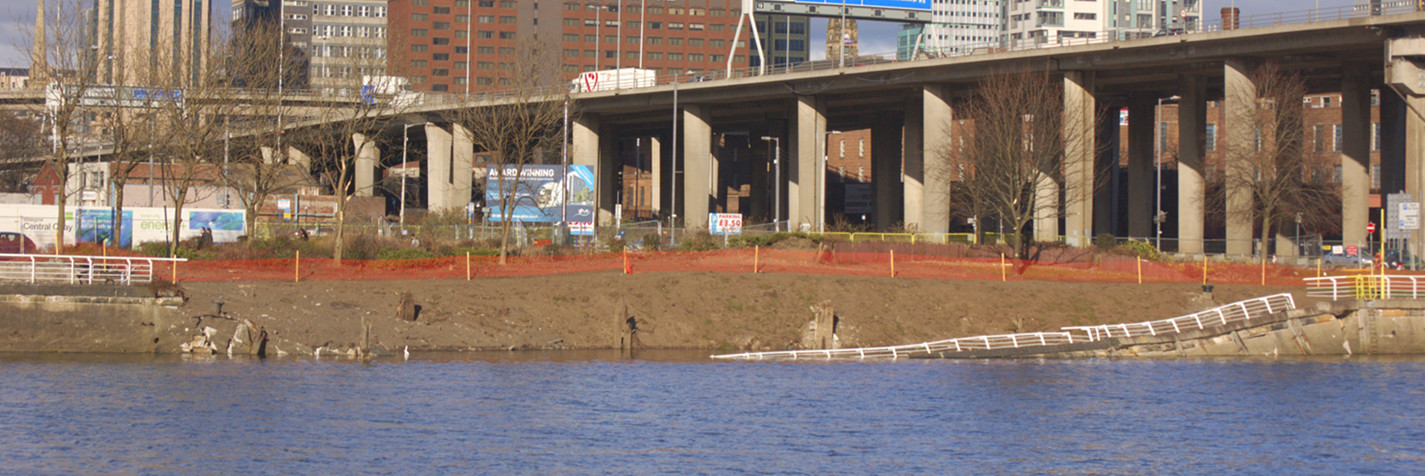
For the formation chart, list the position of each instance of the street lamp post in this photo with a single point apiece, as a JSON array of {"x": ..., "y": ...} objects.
[
  {"x": 1158, "y": 215},
  {"x": 777, "y": 195},
  {"x": 821, "y": 184}
]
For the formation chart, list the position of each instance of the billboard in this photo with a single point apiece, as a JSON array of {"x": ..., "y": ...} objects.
[
  {"x": 139, "y": 224},
  {"x": 537, "y": 192}
]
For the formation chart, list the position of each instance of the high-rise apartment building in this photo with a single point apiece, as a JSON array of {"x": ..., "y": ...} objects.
[
  {"x": 472, "y": 45},
  {"x": 962, "y": 26},
  {"x": 132, "y": 41},
  {"x": 1052, "y": 22},
  {"x": 842, "y": 41},
  {"x": 330, "y": 45},
  {"x": 786, "y": 39}
]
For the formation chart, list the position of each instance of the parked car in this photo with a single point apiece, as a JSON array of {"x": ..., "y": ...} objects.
[
  {"x": 18, "y": 243},
  {"x": 1345, "y": 261}
]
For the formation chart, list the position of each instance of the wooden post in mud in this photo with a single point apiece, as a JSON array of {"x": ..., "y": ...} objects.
[
  {"x": 628, "y": 328},
  {"x": 175, "y": 270},
  {"x": 893, "y": 263},
  {"x": 1140, "y": 269},
  {"x": 824, "y": 334},
  {"x": 756, "y": 257},
  {"x": 467, "y": 265},
  {"x": 1204, "y": 268},
  {"x": 297, "y": 267},
  {"x": 1003, "y": 275}
]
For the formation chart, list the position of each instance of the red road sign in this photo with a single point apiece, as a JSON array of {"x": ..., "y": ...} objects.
[{"x": 1370, "y": 227}]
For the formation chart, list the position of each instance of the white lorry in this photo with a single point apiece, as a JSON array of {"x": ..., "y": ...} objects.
[
  {"x": 394, "y": 89},
  {"x": 608, "y": 80}
]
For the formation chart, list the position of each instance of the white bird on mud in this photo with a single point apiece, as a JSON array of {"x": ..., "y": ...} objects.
[
  {"x": 317, "y": 352},
  {"x": 406, "y": 351}
]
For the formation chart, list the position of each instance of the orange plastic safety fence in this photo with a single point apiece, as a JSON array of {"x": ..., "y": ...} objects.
[{"x": 863, "y": 263}]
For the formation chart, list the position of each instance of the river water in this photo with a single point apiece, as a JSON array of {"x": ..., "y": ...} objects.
[{"x": 677, "y": 412}]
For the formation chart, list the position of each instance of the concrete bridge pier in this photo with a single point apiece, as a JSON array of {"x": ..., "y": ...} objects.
[
  {"x": 699, "y": 166},
  {"x": 1192, "y": 193},
  {"x": 1079, "y": 168},
  {"x": 1142, "y": 137},
  {"x": 1046, "y": 208},
  {"x": 295, "y": 156},
  {"x": 607, "y": 174},
  {"x": 807, "y": 147},
  {"x": 462, "y": 166},
  {"x": 584, "y": 150},
  {"x": 926, "y": 167},
  {"x": 886, "y": 171},
  {"x": 1239, "y": 103},
  {"x": 367, "y": 155},
  {"x": 1355, "y": 154},
  {"x": 438, "y": 142}
]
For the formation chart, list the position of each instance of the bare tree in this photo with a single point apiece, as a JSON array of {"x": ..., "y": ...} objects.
[
  {"x": 341, "y": 132},
  {"x": 21, "y": 139},
  {"x": 261, "y": 165},
  {"x": 1281, "y": 179},
  {"x": 192, "y": 124},
  {"x": 518, "y": 123},
  {"x": 62, "y": 61},
  {"x": 1017, "y": 140}
]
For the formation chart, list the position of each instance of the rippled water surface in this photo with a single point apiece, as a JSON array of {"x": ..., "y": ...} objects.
[{"x": 679, "y": 413}]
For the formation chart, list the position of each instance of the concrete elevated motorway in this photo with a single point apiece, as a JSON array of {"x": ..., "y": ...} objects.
[{"x": 908, "y": 106}]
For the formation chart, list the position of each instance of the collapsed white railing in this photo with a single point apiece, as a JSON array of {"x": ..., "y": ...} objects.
[
  {"x": 76, "y": 269},
  {"x": 1221, "y": 315}
]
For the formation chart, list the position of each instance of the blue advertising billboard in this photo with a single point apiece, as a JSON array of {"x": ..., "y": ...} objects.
[
  {"x": 901, "y": 4},
  {"x": 537, "y": 192},
  {"x": 96, "y": 226}
]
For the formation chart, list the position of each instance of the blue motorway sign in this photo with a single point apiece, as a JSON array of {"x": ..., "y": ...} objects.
[
  {"x": 539, "y": 192},
  {"x": 923, "y": 5}
]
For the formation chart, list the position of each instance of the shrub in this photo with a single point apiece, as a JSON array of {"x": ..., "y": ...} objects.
[
  {"x": 1141, "y": 249},
  {"x": 403, "y": 253},
  {"x": 615, "y": 244},
  {"x": 652, "y": 241},
  {"x": 699, "y": 241},
  {"x": 1105, "y": 241}
]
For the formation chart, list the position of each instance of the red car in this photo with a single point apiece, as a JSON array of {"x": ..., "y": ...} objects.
[{"x": 17, "y": 243}]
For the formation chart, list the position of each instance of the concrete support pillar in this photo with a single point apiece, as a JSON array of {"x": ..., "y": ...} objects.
[
  {"x": 1046, "y": 209},
  {"x": 367, "y": 155},
  {"x": 699, "y": 173},
  {"x": 1414, "y": 158},
  {"x": 759, "y": 200},
  {"x": 462, "y": 166},
  {"x": 438, "y": 142},
  {"x": 296, "y": 157},
  {"x": 655, "y": 174},
  {"x": 269, "y": 156},
  {"x": 1355, "y": 154},
  {"x": 1392, "y": 143},
  {"x": 928, "y": 171},
  {"x": 607, "y": 174},
  {"x": 1079, "y": 135},
  {"x": 584, "y": 150},
  {"x": 1192, "y": 193},
  {"x": 886, "y": 171},
  {"x": 806, "y": 147},
  {"x": 1142, "y": 142},
  {"x": 1239, "y": 103}
]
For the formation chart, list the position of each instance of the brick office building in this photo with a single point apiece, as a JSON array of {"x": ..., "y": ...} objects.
[{"x": 466, "y": 45}]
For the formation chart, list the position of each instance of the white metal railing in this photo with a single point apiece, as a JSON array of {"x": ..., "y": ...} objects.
[
  {"x": 77, "y": 269},
  {"x": 1221, "y": 315},
  {"x": 1367, "y": 286},
  {"x": 987, "y": 342}
]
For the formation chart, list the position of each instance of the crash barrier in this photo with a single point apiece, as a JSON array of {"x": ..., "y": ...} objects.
[
  {"x": 1367, "y": 286},
  {"x": 1221, "y": 315},
  {"x": 78, "y": 269},
  {"x": 866, "y": 259}
]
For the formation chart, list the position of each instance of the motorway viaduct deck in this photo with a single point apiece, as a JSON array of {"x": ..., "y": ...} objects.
[{"x": 909, "y": 105}]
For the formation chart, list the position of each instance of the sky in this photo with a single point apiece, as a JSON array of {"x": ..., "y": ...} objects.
[{"x": 18, "y": 16}]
